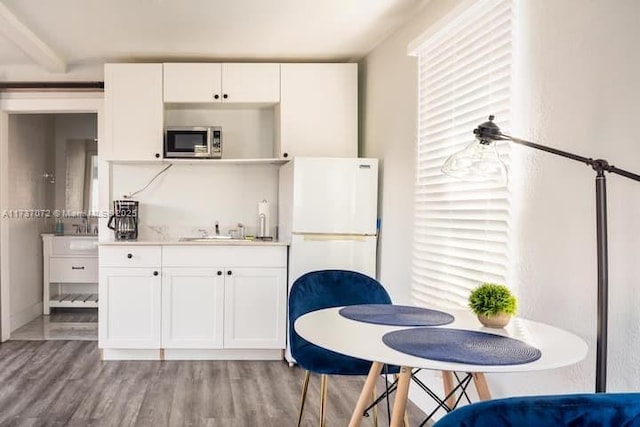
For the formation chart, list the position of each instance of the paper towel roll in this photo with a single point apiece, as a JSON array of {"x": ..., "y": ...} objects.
[{"x": 263, "y": 219}]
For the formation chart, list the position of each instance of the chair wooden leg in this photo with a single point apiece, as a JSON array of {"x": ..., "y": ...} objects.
[
  {"x": 303, "y": 398},
  {"x": 323, "y": 398},
  {"x": 369, "y": 384},
  {"x": 374, "y": 396},
  {"x": 447, "y": 382},
  {"x": 406, "y": 419},
  {"x": 406, "y": 414},
  {"x": 481, "y": 386},
  {"x": 400, "y": 404}
]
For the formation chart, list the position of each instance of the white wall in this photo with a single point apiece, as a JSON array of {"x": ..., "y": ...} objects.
[
  {"x": 30, "y": 155},
  {"x": 388, "y": 131},
  {"x": 188, "y": 197},
  {"x": 577, "y": 90}
]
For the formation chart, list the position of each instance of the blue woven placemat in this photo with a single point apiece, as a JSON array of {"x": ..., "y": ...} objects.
[
  {"x": 460, "y": 346},
  {"x": 395, "y": 315}
]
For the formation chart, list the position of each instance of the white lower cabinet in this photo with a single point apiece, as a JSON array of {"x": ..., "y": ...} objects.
[
  {"x": 255, "y": 308},
  {"x": 188, "y": 303},
  {"x": 129, "y": 308},
  {"x": 192, "y": 307}
]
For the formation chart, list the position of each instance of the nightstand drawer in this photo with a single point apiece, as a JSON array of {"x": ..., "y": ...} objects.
[
  {"x": 74, "y": 245},
  {"x": 73, "y": 270}
]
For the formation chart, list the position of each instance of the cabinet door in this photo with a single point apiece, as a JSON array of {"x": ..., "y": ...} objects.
[
  {"x": 192, "y": 307},
  {"x": 319, "y": 110},
  {"x": 255, "y": 308},
  {"x": 129, "y": 308},
  {"x": 249, "y": 83},
  {"x": 186, "y": 82},
  {"x": 133, "y": 112}
]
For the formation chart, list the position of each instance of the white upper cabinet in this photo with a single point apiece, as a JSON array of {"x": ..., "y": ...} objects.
[
  {"x": 318, "y": 110},
  {"x": 186, "y": 82},
  {"x": 267, "y": 111},
  {"x": 248, "y": 83},
  {"x": 221, "y": 83},
  {"x": 133, "y": 112}
]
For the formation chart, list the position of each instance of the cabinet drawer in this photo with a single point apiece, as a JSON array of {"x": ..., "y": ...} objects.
[
  {"x": 130, "y": 256},
  {"x": 227, "y": 256},
  {"x": 73, "y": 270},
  {"x": 74, "y": 245}
]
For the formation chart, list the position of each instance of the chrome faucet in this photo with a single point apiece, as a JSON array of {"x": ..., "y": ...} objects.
[{"x": 85, "y": 224}]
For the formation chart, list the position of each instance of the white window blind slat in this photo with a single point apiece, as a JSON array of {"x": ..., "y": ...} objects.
[
  {"x": 478, "y": 18},
  {"x": 461, "y": 229},
  {"x": 468, "y": 71}
]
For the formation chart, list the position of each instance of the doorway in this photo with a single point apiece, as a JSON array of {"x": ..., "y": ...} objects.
[{"x": 33, "y": 189}]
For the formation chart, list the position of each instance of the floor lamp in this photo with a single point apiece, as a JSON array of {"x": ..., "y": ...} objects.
[{"x": 479, "y": 161}]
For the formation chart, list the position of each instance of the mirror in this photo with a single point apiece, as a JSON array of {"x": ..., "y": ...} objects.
[{"x": 81, "y": 180}]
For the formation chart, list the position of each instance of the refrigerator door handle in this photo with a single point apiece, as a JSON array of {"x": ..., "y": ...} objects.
[{"x": 325, "y": 237}]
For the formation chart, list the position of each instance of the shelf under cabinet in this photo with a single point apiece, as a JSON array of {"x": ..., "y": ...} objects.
[
  {"x": 74, "y": 300},
  {"x": 207, "y": 162}
]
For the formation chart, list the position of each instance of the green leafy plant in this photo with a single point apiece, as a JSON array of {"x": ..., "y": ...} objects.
[{"x": 490, "y": 299}]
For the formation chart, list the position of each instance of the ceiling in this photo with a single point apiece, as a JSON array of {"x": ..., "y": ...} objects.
[{"x": 58, "y": 36}]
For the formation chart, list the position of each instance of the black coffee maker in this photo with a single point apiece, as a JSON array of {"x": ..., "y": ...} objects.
[{"x": 124, "y": 220}]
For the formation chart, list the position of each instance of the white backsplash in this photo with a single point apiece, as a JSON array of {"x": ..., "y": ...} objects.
[{"x": 189, "y": 197}]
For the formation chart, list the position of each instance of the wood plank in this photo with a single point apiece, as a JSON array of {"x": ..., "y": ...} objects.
[{"x": 65, "y": 383}]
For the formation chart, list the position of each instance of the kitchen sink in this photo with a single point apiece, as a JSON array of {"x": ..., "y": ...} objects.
[{"x": 209, "y": 238}]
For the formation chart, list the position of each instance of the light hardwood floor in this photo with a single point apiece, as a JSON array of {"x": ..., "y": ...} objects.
[{"x": 63, "y": 383}]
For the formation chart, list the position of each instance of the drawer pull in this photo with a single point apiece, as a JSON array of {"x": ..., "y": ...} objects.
[
  {"x": 129, "y": 256},
  {"x": 229, "y": 273},
  {"x": 155, "y": 273},
  {"x": 77, "y": 268},
  {"x": 219, "y": 273}
]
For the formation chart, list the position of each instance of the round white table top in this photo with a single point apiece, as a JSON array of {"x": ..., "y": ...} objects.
[{"x": 328, "y": 329}]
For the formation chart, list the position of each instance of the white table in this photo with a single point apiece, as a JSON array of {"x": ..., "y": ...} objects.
[{"x": 327, "y": 328}]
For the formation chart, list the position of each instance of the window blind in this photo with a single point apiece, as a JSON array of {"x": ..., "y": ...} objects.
[{"x": 461, "y": 228}]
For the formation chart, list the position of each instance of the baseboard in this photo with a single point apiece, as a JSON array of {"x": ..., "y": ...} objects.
[
  {"x": 25, "y": 316},
  {"x": 222, "y": 354},
  {"x": 129, "y": 354},
  {"x": 190, "y": 354}
]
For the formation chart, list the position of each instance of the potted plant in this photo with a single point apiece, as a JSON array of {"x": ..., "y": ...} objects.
[{"x": 493, "y": 304}]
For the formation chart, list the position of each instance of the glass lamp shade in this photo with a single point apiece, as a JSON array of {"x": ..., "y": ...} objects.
[{"x": 477, "y": 162}]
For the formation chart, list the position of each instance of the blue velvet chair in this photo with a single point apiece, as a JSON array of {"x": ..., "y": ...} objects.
[
  {"x": 323, "y": 289},
  {"x": 574, "y": 410}
]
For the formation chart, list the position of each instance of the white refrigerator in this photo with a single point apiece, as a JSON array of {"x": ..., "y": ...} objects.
[{"x": 327, "y": 211}]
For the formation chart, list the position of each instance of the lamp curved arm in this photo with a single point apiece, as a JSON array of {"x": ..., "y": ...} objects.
[{"x": 489, "y": 131}]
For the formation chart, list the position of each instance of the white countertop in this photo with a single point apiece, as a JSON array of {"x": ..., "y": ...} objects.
[
  {"x": 222, "y": 242},
  {"x": 71, "y": 235}
]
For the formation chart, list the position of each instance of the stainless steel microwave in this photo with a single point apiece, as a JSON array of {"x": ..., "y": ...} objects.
[{"x": 193, "y": 142}]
